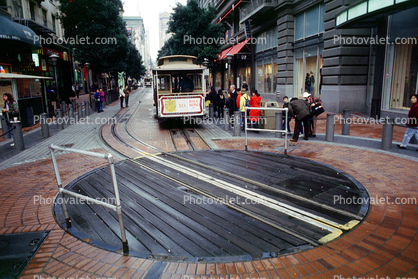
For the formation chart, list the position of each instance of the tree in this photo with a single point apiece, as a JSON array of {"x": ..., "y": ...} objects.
[
  {"x": 191, "y": 27},
  {"x": 96, "y": 33},
  {"x": 134, "y": 66}
]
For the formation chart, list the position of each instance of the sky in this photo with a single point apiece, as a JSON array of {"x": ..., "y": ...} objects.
[{"x": 149, "y": 10}]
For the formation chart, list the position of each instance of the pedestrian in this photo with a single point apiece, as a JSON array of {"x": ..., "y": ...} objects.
[
  {"x": 97, "y": 99},
  {"x": 412, "y": 124},
  {"x": 10, "y": 110},
  {"x": 233, "y": 91},
  {"x": 255, "y": 102},
  {"x": 73, "y": 89},
  {"x": 244, "y": 102},
  {"x": 300, "y": 110},
  {"x": 313, "y": 102},
  {"x": 121, "y": 96},
  {"x": 221, "y": 103},
  {"x": 102, "y": 99},
  {"x": 286, "y": 105},
  {"x": 77, "y": 90},
  {"x": 231, "y": 104},
  {"x": 126, "y": 91},
  {"x": 312, "y": 83},
  {"x": 213, "y": 96}
]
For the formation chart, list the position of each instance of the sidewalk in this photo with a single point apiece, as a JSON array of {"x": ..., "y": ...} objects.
[{"x": 83, "y": 136}]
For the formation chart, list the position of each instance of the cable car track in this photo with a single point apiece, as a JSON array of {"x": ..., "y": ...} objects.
[{"x": 334, "y": 229}]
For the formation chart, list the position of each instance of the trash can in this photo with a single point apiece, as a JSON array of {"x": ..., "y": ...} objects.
[{"x": 268, "y": 119}]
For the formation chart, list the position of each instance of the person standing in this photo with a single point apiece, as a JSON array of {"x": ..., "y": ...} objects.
[
  {"x": 255, "y": 114},
  {"x": 300, "y": 110},
  {"x": 77, "y": 90},
  {"x": 102, "y": 99},
  {"x": 121, "y": 96},
  {"x": 231, "y": 104},
  {"x": 126, "y": 91},
  {"x": 312, "y": 101},
  {"x": 286, "y": 105},
  {"x": 73, "y": 89},
  {"x": 221, "y": 103},
  {"x": 97, "y": 99},
  {"x": 412, "y": 124},
  {"x": 11, "y": 110},
  {"x": 307, "y": 83},
  {"x": 242, "y": 104}
]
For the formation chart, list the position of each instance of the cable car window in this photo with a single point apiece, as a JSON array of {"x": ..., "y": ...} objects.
[{"x": 163, "y": 83}]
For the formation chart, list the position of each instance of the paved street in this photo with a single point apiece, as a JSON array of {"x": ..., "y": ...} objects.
[{"x": 384, "y": 244}]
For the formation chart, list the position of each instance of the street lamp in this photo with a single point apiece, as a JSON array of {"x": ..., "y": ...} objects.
[
  {"x": 54, "y": 59},
  {"x": 229, "y": 57},
  {"x": 87, "y": 64}
]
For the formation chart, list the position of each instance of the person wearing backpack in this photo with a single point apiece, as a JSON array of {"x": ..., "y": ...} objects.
[{"x": 244, "y": 102}]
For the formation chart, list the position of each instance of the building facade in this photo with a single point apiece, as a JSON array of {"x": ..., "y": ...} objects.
[
  {"x": 33, "y": 58},
  {"x": 163, "y": 27},
  {"x": 358, "y": 55}
]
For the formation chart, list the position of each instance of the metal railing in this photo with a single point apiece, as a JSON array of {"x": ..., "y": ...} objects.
[
  {"x": 286, "y": 110},
  {"x": 253, "y": 5},
  {"x": 117, "y": 208}
]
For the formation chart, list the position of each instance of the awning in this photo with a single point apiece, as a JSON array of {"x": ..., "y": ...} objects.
[
  {"x": 11, "y": 76},
  {"x": 237, "y": 48},
  {"x": 13, "y": 31},
  {"x": 224, "y": 53},
  {"x": 233, "y": 50}
]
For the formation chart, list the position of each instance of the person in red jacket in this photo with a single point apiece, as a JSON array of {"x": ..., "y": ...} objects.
[
  {"x": 412, "y": 123},
  {"x": 255, "y": 102}
]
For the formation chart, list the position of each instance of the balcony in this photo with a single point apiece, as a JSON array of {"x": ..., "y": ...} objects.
[
  {"x": 256, "y": 7},
  {"x": 38, "y": 23}
]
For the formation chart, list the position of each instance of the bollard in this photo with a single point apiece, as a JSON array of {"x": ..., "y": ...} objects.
[
  {"x": 70, "y": 112},
  {"x": 346, "y": 122},
  {"x": 18, "y": 135},
  {"x": 278, "y": 125},
  {"x": 86, "y": 108},
  {"x": 237, "y": 123},
  {"x": 226, "y": 119},
  {"x": 60, "y": 120},
  {"x": 64, "y": 108},
  {"x": 387, "y": 135},
  {"x": 73, "y": 102},
  {"x": 329, "y": 134},
  {"x": 5, "y": 128},
  {"x": 44, "y": 126},
  {"x": 79, "y": 110},
  {"x": 211, "y": 112}
]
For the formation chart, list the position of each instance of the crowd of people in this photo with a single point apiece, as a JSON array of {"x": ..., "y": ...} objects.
[{"x": 304, "y": 111}]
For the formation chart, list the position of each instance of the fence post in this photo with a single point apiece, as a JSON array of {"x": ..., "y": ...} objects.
[
  {"x": 211, "y": 112},
  {"x": 387, "y": 135},
  {"x": 86, "y": 108},
  {"x": 278, "y": 124},
  {"x": 70, "y": 113},
  {"x": 59, "y": 119},
  {"x": 44, "y": 126},
  {"x": 73, "y": 102},
  {"x": 5, "y": 127},
  {"x": 329, "y": 135},
  {"x": 79, "y": 110},
  {"x": 64, "y": 108},
  {"x": 346, "y": 122},
  {"x": 18, "y": 135},
  {"x": 226, "y": 119},
  {"x": 237, "y": 123}
]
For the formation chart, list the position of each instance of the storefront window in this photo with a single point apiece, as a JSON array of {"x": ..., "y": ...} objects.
[
  {"x": 218, "y": 80},
  {"x": 307, "y": 70},
  {"x": 244, "y": 75},
  {"x": 260, "y": 76},
  {"x": 267, "y": 78},
  {"x": 402, "y": 61}
]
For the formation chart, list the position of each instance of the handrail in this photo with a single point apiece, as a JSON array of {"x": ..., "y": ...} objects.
[
  {"x": 267, "y": 130},
  {"x": 117, "y": 208}
]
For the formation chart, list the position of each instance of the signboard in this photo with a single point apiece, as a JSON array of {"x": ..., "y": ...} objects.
[{"x": 181, "y": 105}]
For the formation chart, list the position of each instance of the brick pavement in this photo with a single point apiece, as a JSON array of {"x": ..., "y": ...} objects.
[{"x": 384, "y": 244}]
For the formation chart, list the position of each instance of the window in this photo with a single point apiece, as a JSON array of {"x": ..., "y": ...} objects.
[
  {"x": 197, "y": 81},
  {"x": 44, "y": 18},
  {"x": 53, "y": 23},
  {"x": 267, "y": 40},
  {"x": 310, "y": 22},
  {"x": 163, "y": 83}
]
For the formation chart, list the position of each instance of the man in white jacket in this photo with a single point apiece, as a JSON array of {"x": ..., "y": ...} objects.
[{"x": 121, "y": 96}]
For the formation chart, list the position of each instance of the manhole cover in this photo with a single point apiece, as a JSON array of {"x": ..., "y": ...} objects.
[{"x": 16, "y": 251}]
